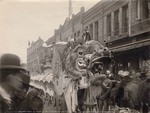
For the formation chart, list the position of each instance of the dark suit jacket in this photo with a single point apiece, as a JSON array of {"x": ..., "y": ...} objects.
[
  {"x": 86, "y": 37},
  {"x": 144, "y": 90},
  {"x": 32, "y": 103},
  {"x": 4, "y": 106}
]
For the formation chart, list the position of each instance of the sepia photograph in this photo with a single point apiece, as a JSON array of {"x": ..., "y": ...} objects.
[{"x": 74, "y": 56}]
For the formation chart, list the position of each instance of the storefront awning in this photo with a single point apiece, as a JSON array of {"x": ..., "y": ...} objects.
[{"x": 129, "y": 46}]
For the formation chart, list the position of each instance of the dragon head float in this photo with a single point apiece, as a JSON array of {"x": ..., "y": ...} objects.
[
  {"x": 91, "y": 56},
  {"x": 98, "y": 56}
]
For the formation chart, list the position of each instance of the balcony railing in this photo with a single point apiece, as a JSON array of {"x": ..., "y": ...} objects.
[
  {"x": 138, "y": 28},
  {"x": 117, "y": 34},
  {"x": 141, "y": 27}
]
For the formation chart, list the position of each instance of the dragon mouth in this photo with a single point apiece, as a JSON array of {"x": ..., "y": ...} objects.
[
  {"x": 98, "y": 63},
  {"x": 102, "y": 59}
]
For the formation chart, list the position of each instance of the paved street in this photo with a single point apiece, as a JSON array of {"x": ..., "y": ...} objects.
[{"x": 49, "y": 108}]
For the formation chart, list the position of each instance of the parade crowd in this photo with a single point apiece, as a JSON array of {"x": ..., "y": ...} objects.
[{"x": 126, "y": 89}]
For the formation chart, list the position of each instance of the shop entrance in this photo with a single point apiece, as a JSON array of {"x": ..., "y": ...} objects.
[{"x": 130, "y": 60}]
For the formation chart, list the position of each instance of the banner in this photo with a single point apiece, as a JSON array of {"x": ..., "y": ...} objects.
[{"x": 58, "y": 59}]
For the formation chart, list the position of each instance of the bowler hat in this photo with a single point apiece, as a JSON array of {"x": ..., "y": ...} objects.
[{"x": 10, "y": 61}]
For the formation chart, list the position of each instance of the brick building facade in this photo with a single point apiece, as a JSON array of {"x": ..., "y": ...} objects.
[{"x": 35, "y": 53}]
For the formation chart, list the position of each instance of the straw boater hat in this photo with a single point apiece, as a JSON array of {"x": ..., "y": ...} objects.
[
  {"x": 10, "y": 61},
  {"x": 122, "y": 73}
]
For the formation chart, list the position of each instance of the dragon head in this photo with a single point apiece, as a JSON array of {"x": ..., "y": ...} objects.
[
  {"x": 97, "y": 56},
  {"x": 91, "y": 56}
]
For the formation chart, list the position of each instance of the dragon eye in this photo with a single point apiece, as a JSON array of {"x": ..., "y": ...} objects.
[{"x": 80, "y": 53}]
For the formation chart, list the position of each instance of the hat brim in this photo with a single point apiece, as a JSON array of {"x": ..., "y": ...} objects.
[{"x": 12, "y": 67}]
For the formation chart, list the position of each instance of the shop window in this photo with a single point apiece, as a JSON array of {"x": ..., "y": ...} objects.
[
  {"x": 116, "y": 22},
  {"x": 109, "y": 25}
]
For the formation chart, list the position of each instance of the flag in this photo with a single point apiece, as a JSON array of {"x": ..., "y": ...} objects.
[{"x": 70, "y": 8}]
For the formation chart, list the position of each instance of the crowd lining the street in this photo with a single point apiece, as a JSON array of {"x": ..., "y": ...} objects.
[{"x": 125, "y": 90}]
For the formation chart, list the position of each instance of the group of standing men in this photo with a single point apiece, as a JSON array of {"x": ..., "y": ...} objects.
[{"x": 127, "y": 90}]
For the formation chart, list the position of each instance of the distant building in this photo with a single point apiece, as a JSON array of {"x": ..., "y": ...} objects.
[
  {"x": 50, "y": 41},
  {"x": 72, "y": 28},
  {"x": 35, "y": 55}
]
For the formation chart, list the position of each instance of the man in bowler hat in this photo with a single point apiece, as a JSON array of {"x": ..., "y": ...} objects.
[{"x": 14, "y": 83}]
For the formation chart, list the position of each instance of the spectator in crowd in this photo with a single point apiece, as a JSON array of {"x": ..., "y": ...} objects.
[
  {"x": 86, "y": 36},
  {"x": 14, "y": 86},
  {"x": 104, "y": 95},
  {"x": 144, "y": 90},
  {"x": 131, "y": 94},
  {"x": 32, "y": 103},
  {"x": 14, "y": 83},
  {"x": 143, "y": 76},
  {"x": 124, "y": 78}
]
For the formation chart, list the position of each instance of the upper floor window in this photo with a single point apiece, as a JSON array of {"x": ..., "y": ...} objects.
[
  {"x": 109, "y": 25},
  {"x": 96, "y": 30},
  {"x": 145, "y": 9},
  {"x": 125, "y": 18},
  {"x": 138, "y": 4},
  {"x": 116, "y": 22},
  {"x": 91, "y": 30}
]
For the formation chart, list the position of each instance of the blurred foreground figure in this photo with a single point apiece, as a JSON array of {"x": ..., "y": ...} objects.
[
  {"x": 32, "y": 103},
  {"x": 14, "y": 83}
]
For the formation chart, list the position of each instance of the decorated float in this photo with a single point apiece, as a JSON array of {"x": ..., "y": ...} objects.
[
  {"x": 79, "y": 67},
  {"x": 44, "y": 81}
]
